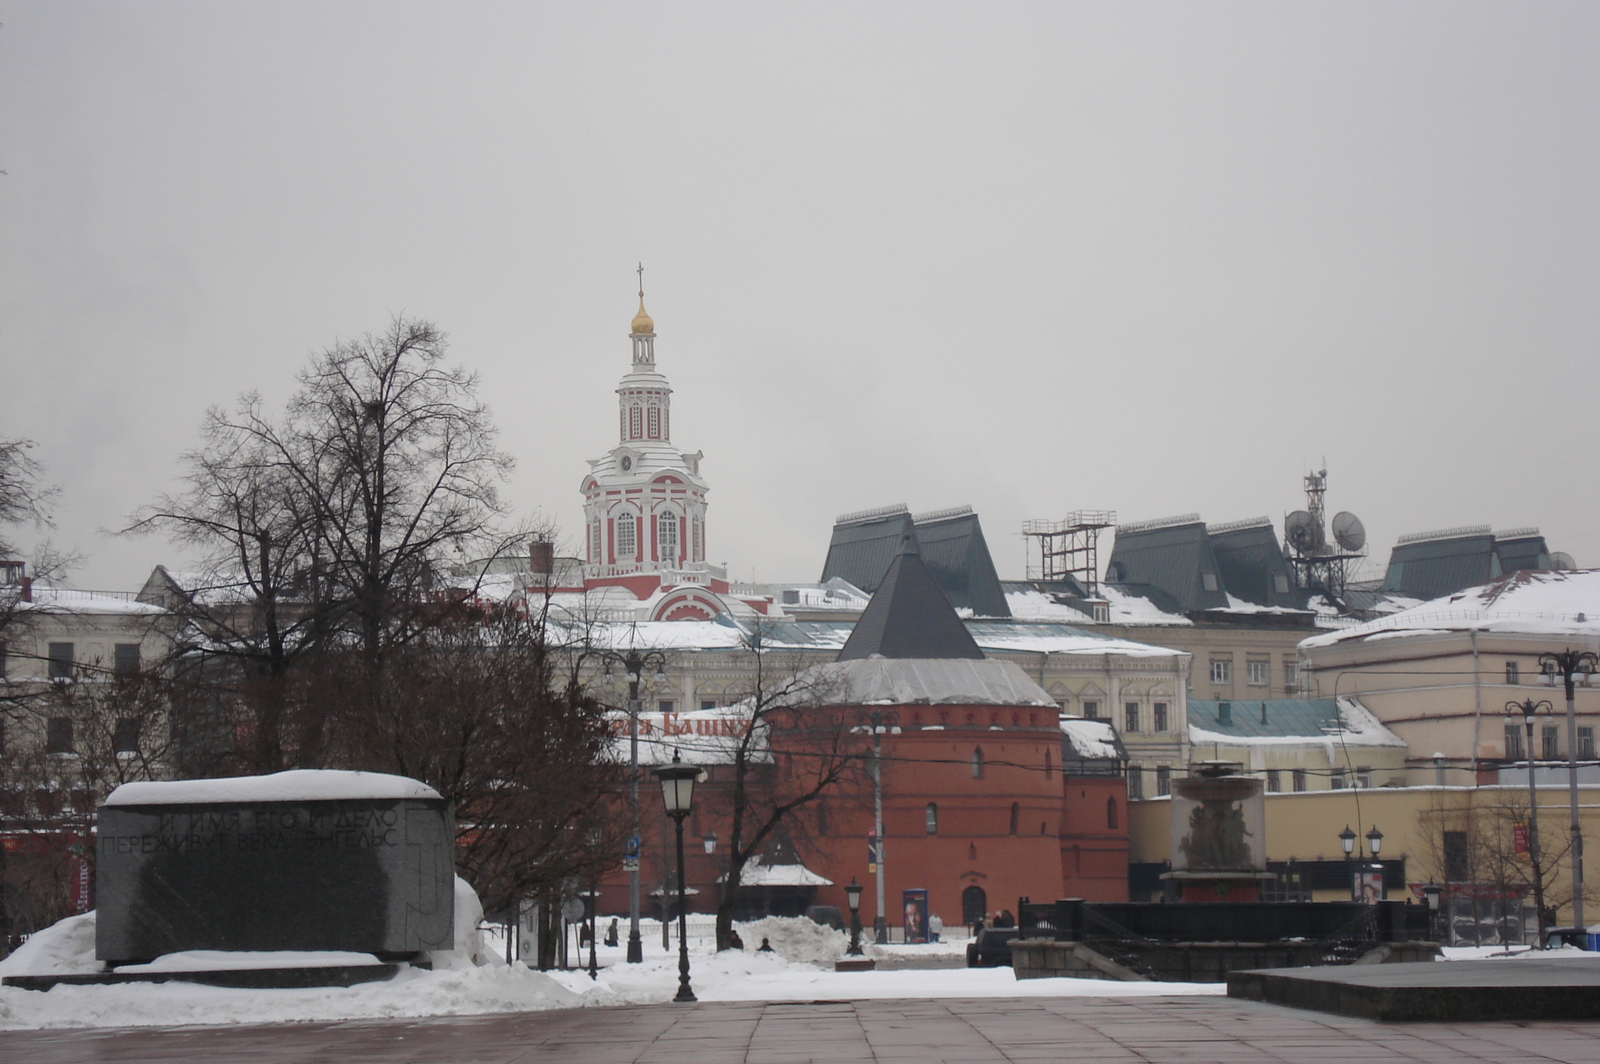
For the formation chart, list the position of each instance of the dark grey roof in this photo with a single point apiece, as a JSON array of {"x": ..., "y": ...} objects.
[
  {"x": 1172, "y": 556},
  {"x": 1437, "y": 566},
  {"x": 863, "y": 546},
  {"x": 954, "y": 550},
  {"x": 1524, "y": 550},
  {"x": 952, "y": 545},
  {"x": 1271, "y": 718},
  {"x": 909, "y": 617},
  {"x": 1252, "y": 565}
]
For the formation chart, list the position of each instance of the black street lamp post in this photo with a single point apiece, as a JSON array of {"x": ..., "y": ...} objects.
[
  {"x": 1567, "y": 664},
  {"x": 677, "y": 796},
  {"x": 852, "y": 893},
  {"x": 634, "y": 663},
  {"x": 1528, "y": 708}
]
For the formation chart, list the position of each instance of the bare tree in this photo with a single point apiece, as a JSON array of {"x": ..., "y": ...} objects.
[
  {"x": 789, "y": 751},
  {"x": 332, "y": 525},
  {"x": 486, "y": 710}
]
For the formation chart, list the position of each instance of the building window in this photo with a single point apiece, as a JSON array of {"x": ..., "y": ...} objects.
[
  {"x": 1221, "y": 670},
  {"x": 1135, "y": 783},
  {"x": 667, "y": 705},
  {"x": 977, "y": 762},
  {"x": 1336, "y": 780},
  {"x": 930, "y": 816},
  {"x": 1274, "y": 780},
  {"x": 699, "y": 544},
  {"x": 1016, "y": 813},
  {"x": 626, "y": 544},
  {"x": 1291, "y": 675},
  {"x": 58, "y": 735},
  {"x": 1552, "y": 742},
  {"x": 1514, "y": 742},
  {"x": 667, "y": 536},
  {"x": 595, "y": 548},
  {"x": 1298, "y": 779},
  {"x": 125, "y": 740},
  {"x": 635, "y": 430},
  {"x": 1111, "y": 813},
  {"x": 1159, "y": 713},
  {"x": 1102, "y": 612},
  {"x": 655, "y": 422},
  {"x": 1163, "y": 780},
  {"x": 61, "y": 661},
  {"x": 1364, "y": 777},
  {"x": 1280, "y": 584},
  {"x": 1256, "y": 673},
  {"x": 708, "y": 703},
  {"x": 1586, "y": 743},
  {"x": 1208, "y": 581},
  {"x": 1091, "y": 711},
  {"x": 127, "y": 659},
  {"x": 1130, "y": 713},
  {"x": 1513, "y": 673},
  {"x": 1048, "y": 767},
  {"x": 1456, "y": 861}
]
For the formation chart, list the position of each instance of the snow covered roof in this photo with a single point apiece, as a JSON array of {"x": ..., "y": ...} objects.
[
  {"x": 1090, "y": 740},
  {"x": 942, "y": 681},
  {"x": 296, "y": 785},
  {"x": 1555, "y": 602},
  {"x": 1046, "y": 638},
  {"x": 47, "y": 599},
  {"x": 756, "y": 874}
]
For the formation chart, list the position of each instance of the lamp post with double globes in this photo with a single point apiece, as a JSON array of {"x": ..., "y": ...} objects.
[
  {"x": 1529, "y": 708},
  {"x": 852, "y": 894},
  {"x": 1567, "y": 664},
  {"x": 634, "y": 663},
  {"x": 677, "y": 797}
]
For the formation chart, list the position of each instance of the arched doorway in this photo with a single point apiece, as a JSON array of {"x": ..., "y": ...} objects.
[{"x": 974, "y": 905}]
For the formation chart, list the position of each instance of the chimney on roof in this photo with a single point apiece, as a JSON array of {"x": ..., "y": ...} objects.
[
  {"x": 542, "y": 556},
  {"x": 1263, "y": 712},
  {"x": 27, "y": 589}
]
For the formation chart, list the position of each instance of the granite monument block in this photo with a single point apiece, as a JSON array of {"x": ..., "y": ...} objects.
[{"x": 302, "y": 860}]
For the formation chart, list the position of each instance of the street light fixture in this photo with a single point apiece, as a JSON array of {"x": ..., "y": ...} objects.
[
  {"x": 1568, "y": 663},
  {"x": 1528, "y": 708},
  {"x": 634, "y": 663},
  {"x": 1374, "y": 841},
  {"x": 1347, "y": 839},
  {"x": 677, "y": 797},
  {"x": 852, "y": 894},
  {"x": 710, "y": 842}
]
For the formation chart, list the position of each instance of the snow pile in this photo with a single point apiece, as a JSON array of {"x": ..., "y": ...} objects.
[
  {"x": 796, "y": 939},
  {"x": 64, "y": 948},
  {"x": 470, "y": 951},
  {"x": 210, "y": 960}
]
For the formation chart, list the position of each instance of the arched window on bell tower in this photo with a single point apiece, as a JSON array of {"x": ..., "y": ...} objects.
[
  {"x": 627, "y": 542},
  {"x": 635, "y": 422},
  {"x": 667, "y": 536}
]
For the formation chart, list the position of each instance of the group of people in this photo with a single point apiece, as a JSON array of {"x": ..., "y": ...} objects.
[{"x": 1002, "y": 919}]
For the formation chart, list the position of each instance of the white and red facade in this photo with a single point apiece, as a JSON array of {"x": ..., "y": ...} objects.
[{"x": 644, "y": 504}]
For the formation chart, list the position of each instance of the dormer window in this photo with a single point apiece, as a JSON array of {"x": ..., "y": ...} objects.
[{"x": 1208, "y": 581}]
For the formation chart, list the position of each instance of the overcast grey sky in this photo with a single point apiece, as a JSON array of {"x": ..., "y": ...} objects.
[{"x": 1034, "y": 257}]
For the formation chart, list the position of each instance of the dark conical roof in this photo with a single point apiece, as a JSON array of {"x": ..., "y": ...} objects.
[{"x": 909, "y": 617}]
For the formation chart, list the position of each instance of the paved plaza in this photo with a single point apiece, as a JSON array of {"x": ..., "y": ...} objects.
[{"x": 1179, "y": 1030}]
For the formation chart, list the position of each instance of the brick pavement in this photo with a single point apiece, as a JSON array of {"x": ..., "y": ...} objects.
[{"x": 1178, "y": 1030}]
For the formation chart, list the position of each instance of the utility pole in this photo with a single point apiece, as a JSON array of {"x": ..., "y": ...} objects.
[{"x": 634, "y": 662}]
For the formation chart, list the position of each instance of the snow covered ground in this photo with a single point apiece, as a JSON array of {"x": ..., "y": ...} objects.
[{"x": 799, "y": 969}]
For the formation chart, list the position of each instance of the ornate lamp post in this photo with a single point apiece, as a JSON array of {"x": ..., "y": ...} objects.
[
  {"x": 1568, "y": 663},
  {"x": 852, "y": 893},
  {"x": 634, "y": 663},
  {"x": 677, "y": 797},
  {"x": 1528, "y": 708}
]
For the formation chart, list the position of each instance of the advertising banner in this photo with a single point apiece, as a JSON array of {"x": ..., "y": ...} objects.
[{"x": 915, "y": 903}]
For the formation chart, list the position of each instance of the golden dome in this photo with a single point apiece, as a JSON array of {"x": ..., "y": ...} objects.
[{"x": 641, "y": 321}]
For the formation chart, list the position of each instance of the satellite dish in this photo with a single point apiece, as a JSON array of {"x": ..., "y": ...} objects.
[
  {"x": 1297, "y": 531},
  {"x": 1348, "y": 531},
  {"x": 1562, "y": 560}
]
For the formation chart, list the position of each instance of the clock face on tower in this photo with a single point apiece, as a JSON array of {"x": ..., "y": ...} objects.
[{"x": 627, "y": 463}]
